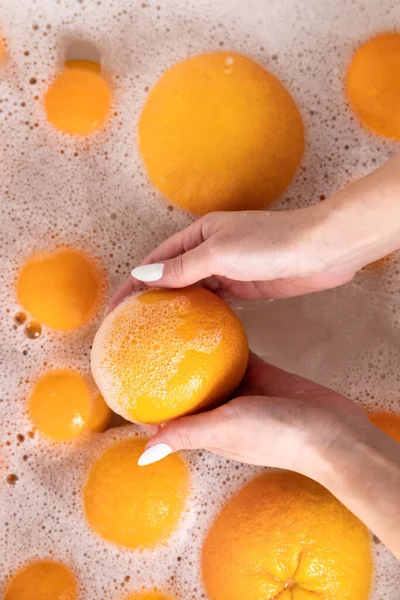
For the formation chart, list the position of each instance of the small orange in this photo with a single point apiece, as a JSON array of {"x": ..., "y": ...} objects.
[
  {"x": 60, "y": 404},
  {"x": 132, "y": 506},
  {"x": 78, "y": 102},
  {"x": 285, "y": 537},
  {"x": 388, "y": 422},
  {"x": 61, "y": 289},
  {"x": 220, "y": 132},
  {"x": 164, "y": 353},
  {"x": 42, "y": 580},
  {"x": 373, "y": 84}
]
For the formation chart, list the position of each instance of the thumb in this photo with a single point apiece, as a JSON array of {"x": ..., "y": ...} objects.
[
  {"x": 180, "y": 271},
  {"x": 205, "y": 430}
]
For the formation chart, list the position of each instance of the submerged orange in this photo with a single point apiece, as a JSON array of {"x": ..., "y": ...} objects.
[
  {"x": 42, "y": 580},
  {"x": 286, "y": 537},
  {"x": 164, "y": 353},
  {"x": 132, "y": 506},
  {"x": 78, "y": 102},
  {"x": 61, "y": 288},
  {"x": 373, "y": 84},
  {"x": 388, "y": 422}
]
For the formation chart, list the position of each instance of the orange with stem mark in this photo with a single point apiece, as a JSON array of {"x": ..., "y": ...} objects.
[{"x": 285, "y": 537}]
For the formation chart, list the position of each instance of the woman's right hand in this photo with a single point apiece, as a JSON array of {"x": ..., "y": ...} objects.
[
  {"x": 282, "y": 420},
  {"x": 261, "y": 255}
]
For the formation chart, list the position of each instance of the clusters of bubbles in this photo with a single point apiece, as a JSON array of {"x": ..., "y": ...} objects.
[
  {"x": 170, "y": 322},
  {"x": 94, "y": 195}
]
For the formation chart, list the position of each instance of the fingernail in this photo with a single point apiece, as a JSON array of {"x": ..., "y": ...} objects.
[
  {"x": 153, "y": 454},
  {"x": 148, "y": 273}
]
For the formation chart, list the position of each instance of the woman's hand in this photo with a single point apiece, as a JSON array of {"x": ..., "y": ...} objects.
[
  {"x": 256, "y": 255},
  {"x": 284, "y": 421}
]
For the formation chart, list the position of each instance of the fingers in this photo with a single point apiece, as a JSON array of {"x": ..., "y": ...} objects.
[
  {"x": 180, "y": 271},
  {"x": 168, "y": 265},
  {"x": 180, "y": 242},
  {"x": 205, "y": 430}
]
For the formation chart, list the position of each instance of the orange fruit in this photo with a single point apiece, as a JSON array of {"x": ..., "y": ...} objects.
[
  {"x": 60, "y": 404},
  {"x": 42, "y": 580},
  {"x": 285, "y": 537},
  {"x": 62, "y": 407},
  {"x": 152, "y": 595},
  {"x": 164, "y": 353},
  {"x": 373, "y": 84},
  {"x": 132, "y": 506},
  {"x": 78, "y": 102},
  {"x": 61, "y": 289},
  {"x": 100, "y": 415},
  {"x": 388, "y": 422},
  {"x": 220, "y": 132}
]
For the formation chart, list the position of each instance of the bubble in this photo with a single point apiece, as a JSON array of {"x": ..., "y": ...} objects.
[{"x": 33, "y": 330}]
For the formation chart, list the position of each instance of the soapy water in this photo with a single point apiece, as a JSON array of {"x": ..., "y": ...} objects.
[{"x": 93, "y": 194}]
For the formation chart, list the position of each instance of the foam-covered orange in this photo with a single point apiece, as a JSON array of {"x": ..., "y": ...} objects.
[{"x": 164, "y": 353}]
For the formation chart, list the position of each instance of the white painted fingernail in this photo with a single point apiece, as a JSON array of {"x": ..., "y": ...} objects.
[
  {"x": 153, "y": 454},
  {"x": 148, "y": 273}
]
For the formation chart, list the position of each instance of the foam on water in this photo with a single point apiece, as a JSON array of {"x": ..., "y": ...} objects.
[{"x": 94, "y": 195}]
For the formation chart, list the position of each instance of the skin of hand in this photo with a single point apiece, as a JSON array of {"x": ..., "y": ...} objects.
[
  {"x": 277, "y": 254},
  {"x": 284, "y": 421}
]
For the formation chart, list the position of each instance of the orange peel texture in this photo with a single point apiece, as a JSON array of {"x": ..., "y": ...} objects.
[
  {"x": 61, "y": 289},
  {"x": 132, "y": 506},
  {"x": 164, "y": 353},
  {"x": 220, "y": 132},
  {"x": 78, "y": 102},
  {"x": 43, "y": 580},
  {"x": 286, "y": 537},
  {"x": 373, "y": 85},
  {"x": 388, "y": 422}
]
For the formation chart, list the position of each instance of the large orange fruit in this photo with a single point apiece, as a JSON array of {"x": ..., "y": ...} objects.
[
  {"x": 164, "y": 353},
  {"x": 285, "y": 537},
  {"x": 388, "y": 422},
  {"x": 220, "y": 132}
]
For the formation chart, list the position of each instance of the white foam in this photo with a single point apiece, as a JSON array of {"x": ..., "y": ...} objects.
[{"x": 95, "y": 196}]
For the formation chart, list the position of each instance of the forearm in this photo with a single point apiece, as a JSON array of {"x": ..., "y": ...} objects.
[
  {"x": 361, "y": 223},
  {"x": 363, "y": 472}
]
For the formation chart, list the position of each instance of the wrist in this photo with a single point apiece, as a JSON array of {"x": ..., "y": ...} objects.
[
  {"x": 361, "y": 223},
  {"x": 362, "y": 469}
]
